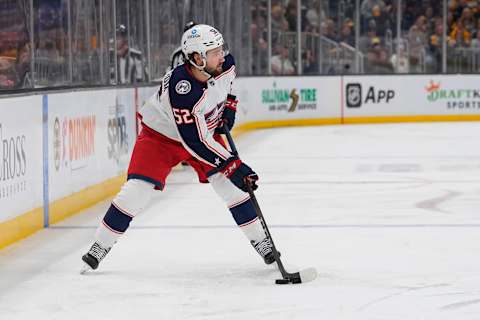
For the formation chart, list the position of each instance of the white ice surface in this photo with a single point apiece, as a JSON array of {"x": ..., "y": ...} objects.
[{"x": 388, "y": 214}]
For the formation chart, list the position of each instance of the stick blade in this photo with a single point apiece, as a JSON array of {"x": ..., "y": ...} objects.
[
  {"x": 308, "y": 274},
  {"x": 305, "y": 275}
]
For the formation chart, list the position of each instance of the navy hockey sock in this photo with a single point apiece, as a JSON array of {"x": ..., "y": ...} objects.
[
  {"x": 116, "y": 220},
  {"x": 243, "y": 213}
]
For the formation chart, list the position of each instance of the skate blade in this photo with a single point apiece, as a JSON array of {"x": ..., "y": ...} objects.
[
  {"x": 85, "y": 268},
  {"x": 307, "y": 275}
]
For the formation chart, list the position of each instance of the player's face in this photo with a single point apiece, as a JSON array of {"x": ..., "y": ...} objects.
[{"x": 215, "y": 59}]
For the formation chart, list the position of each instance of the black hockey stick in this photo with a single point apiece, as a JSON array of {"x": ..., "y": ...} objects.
[{"x": 305, "y": 275}]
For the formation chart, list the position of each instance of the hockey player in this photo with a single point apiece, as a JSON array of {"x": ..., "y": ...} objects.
[{"x": 182, "y": 122}]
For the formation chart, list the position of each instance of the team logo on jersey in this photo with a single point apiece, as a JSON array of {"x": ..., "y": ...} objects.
[{"x": 183, "y": 87}]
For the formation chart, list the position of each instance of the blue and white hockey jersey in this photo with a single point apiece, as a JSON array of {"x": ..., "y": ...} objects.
[{"x": 188, "y": 110}]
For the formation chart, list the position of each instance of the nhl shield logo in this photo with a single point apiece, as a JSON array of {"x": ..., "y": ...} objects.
[
  {"x": 354, "y": 95},
  {"x": 183, "y": 87}
]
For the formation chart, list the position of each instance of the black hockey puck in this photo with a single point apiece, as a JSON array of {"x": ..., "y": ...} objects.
[{"x": 282, "y": 281}]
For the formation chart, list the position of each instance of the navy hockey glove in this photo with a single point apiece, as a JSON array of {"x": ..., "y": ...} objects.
[
  {"x": 228, "y": 115},
  {"x": 239, "y": 173}
]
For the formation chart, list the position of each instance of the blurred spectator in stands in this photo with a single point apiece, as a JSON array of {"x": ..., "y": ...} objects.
[
  {"x": 417, "y": 40},
  {"x": 259, "y": 36},
  {"x": 7, "y": 74},
  {"x": 400, "y": 62},
  {"x": 15, "y": 72},
  {"x": 346, "y": 34},
  {"x": 408, "y": 15},
  {"x": 281, "y": 63},
  {"x": 429, "y": 12},
  {"x": 468, "y": 21},
  {"x": 381, "y": 20},
  {"x": 431, "y": 19},
  {"x": 365, "y": 41},
  {"x": 47, "y": 50},
  {"x": 315, "y": 14},
  {"x": 377, "y": 58},
  {"x": 14, "y": 46},
  {"x": 51, "y": 43},
  {"x": 476, "y": 50},
  {"x": 476, "y": 41},
  {"x": 309, "y": 62},
  {"x": 50, "y": 24},
  {"x": 450, "y": 22},
  {"x": 260, "y": 45},
  {"x": 459, "y": 37},
  {"x": 456, "y": 7},
  {"x": 328, "y": 30},
  {"x": 279, "y": 23},
  {"x": 130, "y": 65},
  {"x": 291, "y": 15},
  {"x": 435, "y": 49},
  {"x": 7, "y": 59},
  {"x": 22, "y": 66},
  {"x": 366, "y": 10},
  {"x": 477, "y": 26}
]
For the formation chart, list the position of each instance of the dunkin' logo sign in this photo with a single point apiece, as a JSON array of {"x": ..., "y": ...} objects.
[{"x": 73, "y": 141}]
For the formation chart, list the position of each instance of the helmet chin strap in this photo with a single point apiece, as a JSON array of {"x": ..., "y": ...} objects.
[{"x": 202, "y": 67}]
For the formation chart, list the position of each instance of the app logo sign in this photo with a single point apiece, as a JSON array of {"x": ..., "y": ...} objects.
[{"x": 355, "y": 97}]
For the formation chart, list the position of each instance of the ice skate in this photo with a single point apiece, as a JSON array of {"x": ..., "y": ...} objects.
[
  {"x": 93, "y": 257},
  {"x": 264, "y": 249}
]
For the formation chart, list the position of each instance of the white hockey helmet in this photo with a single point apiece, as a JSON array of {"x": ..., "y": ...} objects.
[{"x": 200, "y": 39}]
